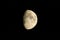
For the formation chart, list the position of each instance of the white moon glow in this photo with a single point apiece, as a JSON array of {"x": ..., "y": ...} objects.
[{"x": 29, "y": 19}]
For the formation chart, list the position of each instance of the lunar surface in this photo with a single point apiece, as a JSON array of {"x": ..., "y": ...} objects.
[{"x": 29, "y": 19}]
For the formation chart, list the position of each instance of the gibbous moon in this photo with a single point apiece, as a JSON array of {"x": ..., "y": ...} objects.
[{"x": 29, "y": 19}]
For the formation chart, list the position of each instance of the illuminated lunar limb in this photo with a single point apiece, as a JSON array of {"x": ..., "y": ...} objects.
[{"x": 29, "y": 19}]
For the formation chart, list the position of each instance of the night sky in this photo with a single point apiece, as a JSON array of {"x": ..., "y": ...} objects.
[{"x": 16, "y": 11}]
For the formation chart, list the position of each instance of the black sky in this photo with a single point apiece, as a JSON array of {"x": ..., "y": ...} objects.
[{"x": 16, "y": 11}]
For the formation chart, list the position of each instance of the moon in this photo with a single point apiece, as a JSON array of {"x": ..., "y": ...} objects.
[{"x": 29, "y": 19}]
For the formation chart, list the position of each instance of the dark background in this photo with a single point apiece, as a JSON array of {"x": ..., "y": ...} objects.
[{"x": 42, "y": 8}]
